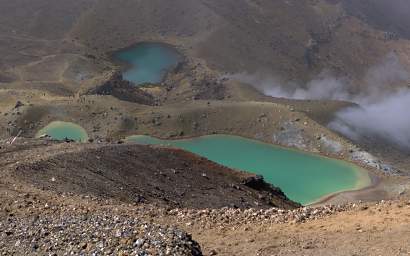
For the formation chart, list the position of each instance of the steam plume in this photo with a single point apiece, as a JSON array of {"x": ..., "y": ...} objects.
[{"x": 383, "y": 106}]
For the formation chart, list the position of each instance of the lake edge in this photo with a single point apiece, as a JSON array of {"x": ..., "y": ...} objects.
[
  {"x": 124, "y": 66},
  {"x": 364, "y": 178}
]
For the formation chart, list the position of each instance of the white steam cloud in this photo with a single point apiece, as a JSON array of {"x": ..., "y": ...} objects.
[
  {"x": 388, "y": 119},
  {"x": 384, "y": 107}
]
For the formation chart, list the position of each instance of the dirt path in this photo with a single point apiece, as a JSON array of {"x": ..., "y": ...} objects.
[{"x": 377, "y": 230}]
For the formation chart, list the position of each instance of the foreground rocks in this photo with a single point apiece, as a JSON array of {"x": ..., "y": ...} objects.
[
  {"x": 91, "y": 234},
  {"x": 230, "y": 217},
  {"x": 138, "y": 200},
  {"x": 47, "y": 224}
]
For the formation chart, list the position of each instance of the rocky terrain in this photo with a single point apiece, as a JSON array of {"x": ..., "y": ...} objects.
[
  {"x": 47, "y": 213},
  {"x": 137, "y": 173},
  {"x": 122, "y": 90},
  {"x": 294, "y": 40},
  {"x": 107, "y": 197},
  {"x": 40, "y": 177},
  {"x": 49, "y": 65},
  {"x": 100, "y": 234}
]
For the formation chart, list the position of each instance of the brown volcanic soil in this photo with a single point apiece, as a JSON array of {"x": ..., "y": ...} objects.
[
  {"x": 135, "y": 173},
  {"x": 391, "y": 16},
  {"x": 366, "y": 230},
  {"x": 53, "y": 52},
  {"x": 293, "y": 40},
  {"x": 32, "y": 217},
  {"x": 288, "y": 123},
  {"x": 296, "y": 39}
]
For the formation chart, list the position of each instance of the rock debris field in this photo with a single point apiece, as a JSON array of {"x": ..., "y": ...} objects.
[{"x": 92, "y": 234}]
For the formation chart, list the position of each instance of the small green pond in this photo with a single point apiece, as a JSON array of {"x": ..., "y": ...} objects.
[
  {"x": 61, "y": 130},
  {"x": 304, "y": 177},
  {"x": 148, "y": 62}
]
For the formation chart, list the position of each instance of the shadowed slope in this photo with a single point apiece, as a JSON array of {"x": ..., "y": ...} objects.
[{"x": 144, "y": 174}]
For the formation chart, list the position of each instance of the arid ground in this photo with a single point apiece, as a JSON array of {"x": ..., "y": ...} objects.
[{"x": 56, "y": 64}]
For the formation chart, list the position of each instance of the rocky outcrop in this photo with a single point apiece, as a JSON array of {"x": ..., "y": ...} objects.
[
  {"x": 290, "y": 135},
  {"x": 272, "y": 195},
  {"x": 122, "y": 90},
  {"x": 19, "y": 104}
]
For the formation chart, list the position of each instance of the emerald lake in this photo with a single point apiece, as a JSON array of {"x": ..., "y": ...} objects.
[
  {"x": 148, "y": 62},
  {"x": 304, "y": 177},
  {"x": 62, "y": 130}
]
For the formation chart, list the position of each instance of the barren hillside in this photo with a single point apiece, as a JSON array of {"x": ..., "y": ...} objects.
[
  {"x": 109, "y": 197},
  {"x": 292, "y": 39},
  {"x": 52, "y": 204}
]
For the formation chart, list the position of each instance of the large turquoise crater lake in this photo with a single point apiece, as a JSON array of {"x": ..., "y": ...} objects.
[
  {"x": 304, "y": 177},
  {"x": 148, "y": 62}
]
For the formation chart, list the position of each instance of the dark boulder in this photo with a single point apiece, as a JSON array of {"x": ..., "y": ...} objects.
[
  {"x": 18, "y": 104},
  {"x": 268, "y": 192}
]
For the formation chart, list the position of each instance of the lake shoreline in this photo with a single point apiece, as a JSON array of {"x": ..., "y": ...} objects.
[
  {"x": 375, "y": 181},
  {"x": 365, "y": 178},
  {"x": 125, "y": 66},
  {"x": 57, "y": 130}
]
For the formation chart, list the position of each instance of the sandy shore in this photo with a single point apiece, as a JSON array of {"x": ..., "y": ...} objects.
[{"x": 366, "y": 193}]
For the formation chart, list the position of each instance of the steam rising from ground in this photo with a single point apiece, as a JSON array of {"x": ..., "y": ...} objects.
[
  {"x": 388, "y": 119},
  {"x": 383, "y": 111}
]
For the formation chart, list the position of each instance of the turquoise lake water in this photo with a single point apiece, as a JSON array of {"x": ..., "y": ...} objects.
[
  {"x": 304, "y": 177},
  {"x": 149, "y": 62},
  {"x": 62, "y": 130}
]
